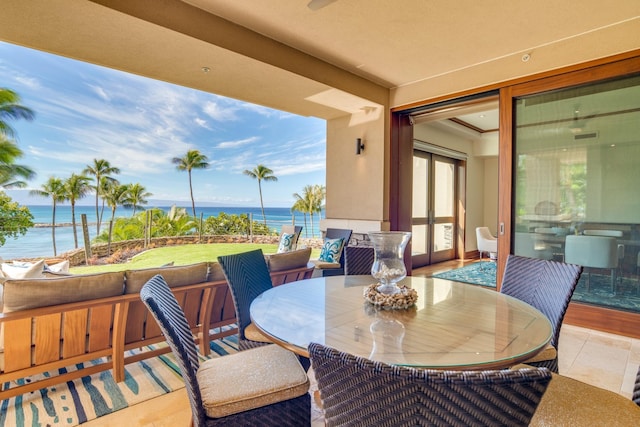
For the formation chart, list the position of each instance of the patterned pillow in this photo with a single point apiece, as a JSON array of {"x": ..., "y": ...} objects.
[
  {"x": 287, "y": 243},
  {"x": 331, "y": 250}
]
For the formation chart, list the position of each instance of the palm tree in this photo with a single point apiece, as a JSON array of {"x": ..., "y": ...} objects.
[
  {"x": 76, "y": 187},
  {"x": 305, "y": 203},
  {"x": 10, "y": 173},
  {"x": 101, "y": 170},
  {"x": 136, "y": 197},
  {"x": 261, "y": 172},
  {"x": 194, "y": 159},
  {"x": 319, "y": 193},
  {"x": 115, "y": 196},
  {"x": 53, "y": 188},
  {"x": 10, "y": 108}
]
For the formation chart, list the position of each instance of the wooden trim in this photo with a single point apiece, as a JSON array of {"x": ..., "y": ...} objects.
[
  {"x": 603, "y": 319},
  {"x": 505, "y": 181}
]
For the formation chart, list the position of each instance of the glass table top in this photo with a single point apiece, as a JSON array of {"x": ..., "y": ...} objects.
[{"x": 453, "y": 325}]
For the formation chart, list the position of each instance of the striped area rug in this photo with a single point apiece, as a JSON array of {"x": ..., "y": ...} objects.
[{"x": 87, "y": 398}]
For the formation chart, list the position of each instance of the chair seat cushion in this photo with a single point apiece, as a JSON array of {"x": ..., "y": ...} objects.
[
  {"x": 568, "y": 402},
  {"x": 549, "y": 353},
  {"x": 250, "y": 379},
  {"x": 325, "y": 265},
  {"x": 251, "y": 332}
]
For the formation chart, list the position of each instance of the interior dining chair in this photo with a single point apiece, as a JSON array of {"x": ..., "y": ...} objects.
[
  {"x": 358, "y": 260},
  {"x": 356, "y": 391},
  {"x": 599, "y": 252},
  {"x": 611, "y": 233},
  {"x": 261, "y": 386},
  {"x": 548, "y": 286},
  {"x": 486, "y": 242},
  {"x": 248, "y": 276}
]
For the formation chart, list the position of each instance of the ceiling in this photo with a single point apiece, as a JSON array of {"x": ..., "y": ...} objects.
[{"x": 338, "y": 59}]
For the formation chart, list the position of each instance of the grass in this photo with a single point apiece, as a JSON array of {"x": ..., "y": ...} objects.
[{"x": 181, "y": 255}]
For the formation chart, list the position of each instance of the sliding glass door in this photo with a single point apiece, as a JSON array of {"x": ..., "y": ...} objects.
[
  {"x": 433, "y": 208},
  {"x": 577, "y": 185}
]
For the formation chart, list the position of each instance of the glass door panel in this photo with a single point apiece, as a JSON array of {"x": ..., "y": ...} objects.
[
  {"x": 576, "y": 174},
  {"x": 433, "y": 208}
]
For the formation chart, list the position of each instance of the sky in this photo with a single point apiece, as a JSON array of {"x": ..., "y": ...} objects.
[{"x": 85, "y": 112}]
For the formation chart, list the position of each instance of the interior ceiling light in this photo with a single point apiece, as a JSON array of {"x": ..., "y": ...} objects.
[{"x": 206, "y": 69}]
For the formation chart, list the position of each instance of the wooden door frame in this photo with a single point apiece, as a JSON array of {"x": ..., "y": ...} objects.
[{"x": 600, "y": 318}]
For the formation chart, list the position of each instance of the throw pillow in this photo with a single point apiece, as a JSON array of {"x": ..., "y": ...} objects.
[
  {"x": 286, "y": 243},
  {"x": 21, "y": 270},
  {"x": 61, "y": 267},
  {"x": 331, "y": 250}
]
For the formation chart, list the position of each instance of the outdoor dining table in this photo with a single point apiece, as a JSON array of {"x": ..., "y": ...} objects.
[{"x": 452, "y": 326}]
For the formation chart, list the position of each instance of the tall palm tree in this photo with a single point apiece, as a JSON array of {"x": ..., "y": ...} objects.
[
  {"x": 305, "y": 203},
  {"x": 101, "y": 170},
  {"x": 10, "y": 108},
  {"x": 137, "y": 196},
  {"x": 54, "y": 188},
  {"x": 115, "y": 196},
  {"x": 261, "y": 172},
  {"x": 319, "y": 193},
  {"x": 194, "y": 159},
  {"x": 76, "y": 187}
]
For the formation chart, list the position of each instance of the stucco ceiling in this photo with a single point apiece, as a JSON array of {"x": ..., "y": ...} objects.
[{"x": 282, "y": 54}]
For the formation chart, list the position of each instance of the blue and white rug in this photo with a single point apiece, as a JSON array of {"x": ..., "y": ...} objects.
[
  {"x": 78, "y": 401},
  {"x": 479, "y": 273}
]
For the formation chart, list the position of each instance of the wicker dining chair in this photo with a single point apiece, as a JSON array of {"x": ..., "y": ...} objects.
[
  {"x": 356, "y": 391},
  {"x": 261, "y": 386},
  {"x": 636, "y": 389},
  {"x": 358, "y": 260},
  {"x": 248, "y": 276},
  {"x": 548, "y": 286}
]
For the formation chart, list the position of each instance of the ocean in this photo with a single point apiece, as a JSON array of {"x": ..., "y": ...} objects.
[{"x": 37, "y": 242}]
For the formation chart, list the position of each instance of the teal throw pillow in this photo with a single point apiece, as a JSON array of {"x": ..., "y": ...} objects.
[
  {"x": 331, "y": 250},
  {"x": 286, "y": 243}
]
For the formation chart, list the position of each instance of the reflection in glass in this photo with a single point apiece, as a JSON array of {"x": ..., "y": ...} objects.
[{"x": 576, "y": 169}]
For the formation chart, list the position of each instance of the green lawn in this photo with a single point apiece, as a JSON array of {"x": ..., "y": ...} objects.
[{"x": 181, "y": 255}]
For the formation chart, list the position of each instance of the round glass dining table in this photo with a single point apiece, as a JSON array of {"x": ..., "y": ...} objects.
[{"x": 452, "y": 326}]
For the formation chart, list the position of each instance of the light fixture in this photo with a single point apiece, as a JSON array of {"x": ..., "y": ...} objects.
[
  {"x": 359, "y": 146},
  {"x": 206, "y": 69}
]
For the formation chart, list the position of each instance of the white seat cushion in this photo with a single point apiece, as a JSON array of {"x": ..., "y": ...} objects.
[{"x": 250, "y": 379}]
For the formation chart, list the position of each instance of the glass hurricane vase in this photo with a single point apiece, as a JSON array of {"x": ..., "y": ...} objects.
[{"x": 388, "y": 266}]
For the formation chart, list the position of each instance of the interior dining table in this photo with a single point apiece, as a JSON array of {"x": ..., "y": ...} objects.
[{"x": 453, "y": 325}]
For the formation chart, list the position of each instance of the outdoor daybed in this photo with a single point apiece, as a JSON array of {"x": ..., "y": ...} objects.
[{"x": 53, "y": 323}]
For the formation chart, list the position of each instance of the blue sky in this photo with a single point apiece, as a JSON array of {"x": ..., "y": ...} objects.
[{"x": 84, "y": 111}]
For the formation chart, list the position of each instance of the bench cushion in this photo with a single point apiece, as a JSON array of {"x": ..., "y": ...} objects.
[
  {"x": 175, "y": 276},
  {"x": 32, "y": 293},
  {"x": 288, "y": 260}
]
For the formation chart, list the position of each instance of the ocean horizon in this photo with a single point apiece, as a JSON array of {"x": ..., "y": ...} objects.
[{"x": 37, "y": 241}]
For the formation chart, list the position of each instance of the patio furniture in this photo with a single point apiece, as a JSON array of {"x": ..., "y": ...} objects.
[
  {"x": 356, "y": 391},
  {"x": 452, "y": 326},
  {"x": 548, "y": 286},
  {"x": 358, "y": 260},
  {"x": 291, "y": 229},
  {"x": 248, "y": 276},
  {"x": 486, "y": 242},
  {"x": 335, "y": 267},
  {"x": 225, "y": 390}
]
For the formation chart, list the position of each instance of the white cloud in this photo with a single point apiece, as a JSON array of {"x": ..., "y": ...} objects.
[
  {"x": 100, "y": 92},
  {"x": 29, "y": 82},
  {"x": 239, "y": 143},
  {"x": 202, "y": 123},
  {"x": 220, "y": 113}
]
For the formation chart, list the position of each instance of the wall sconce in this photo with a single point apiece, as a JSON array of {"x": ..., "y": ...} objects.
[{"x": 359, "y": 146}]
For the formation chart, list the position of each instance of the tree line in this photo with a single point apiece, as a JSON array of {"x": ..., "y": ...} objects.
[{"x": 99, "y": 178}]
